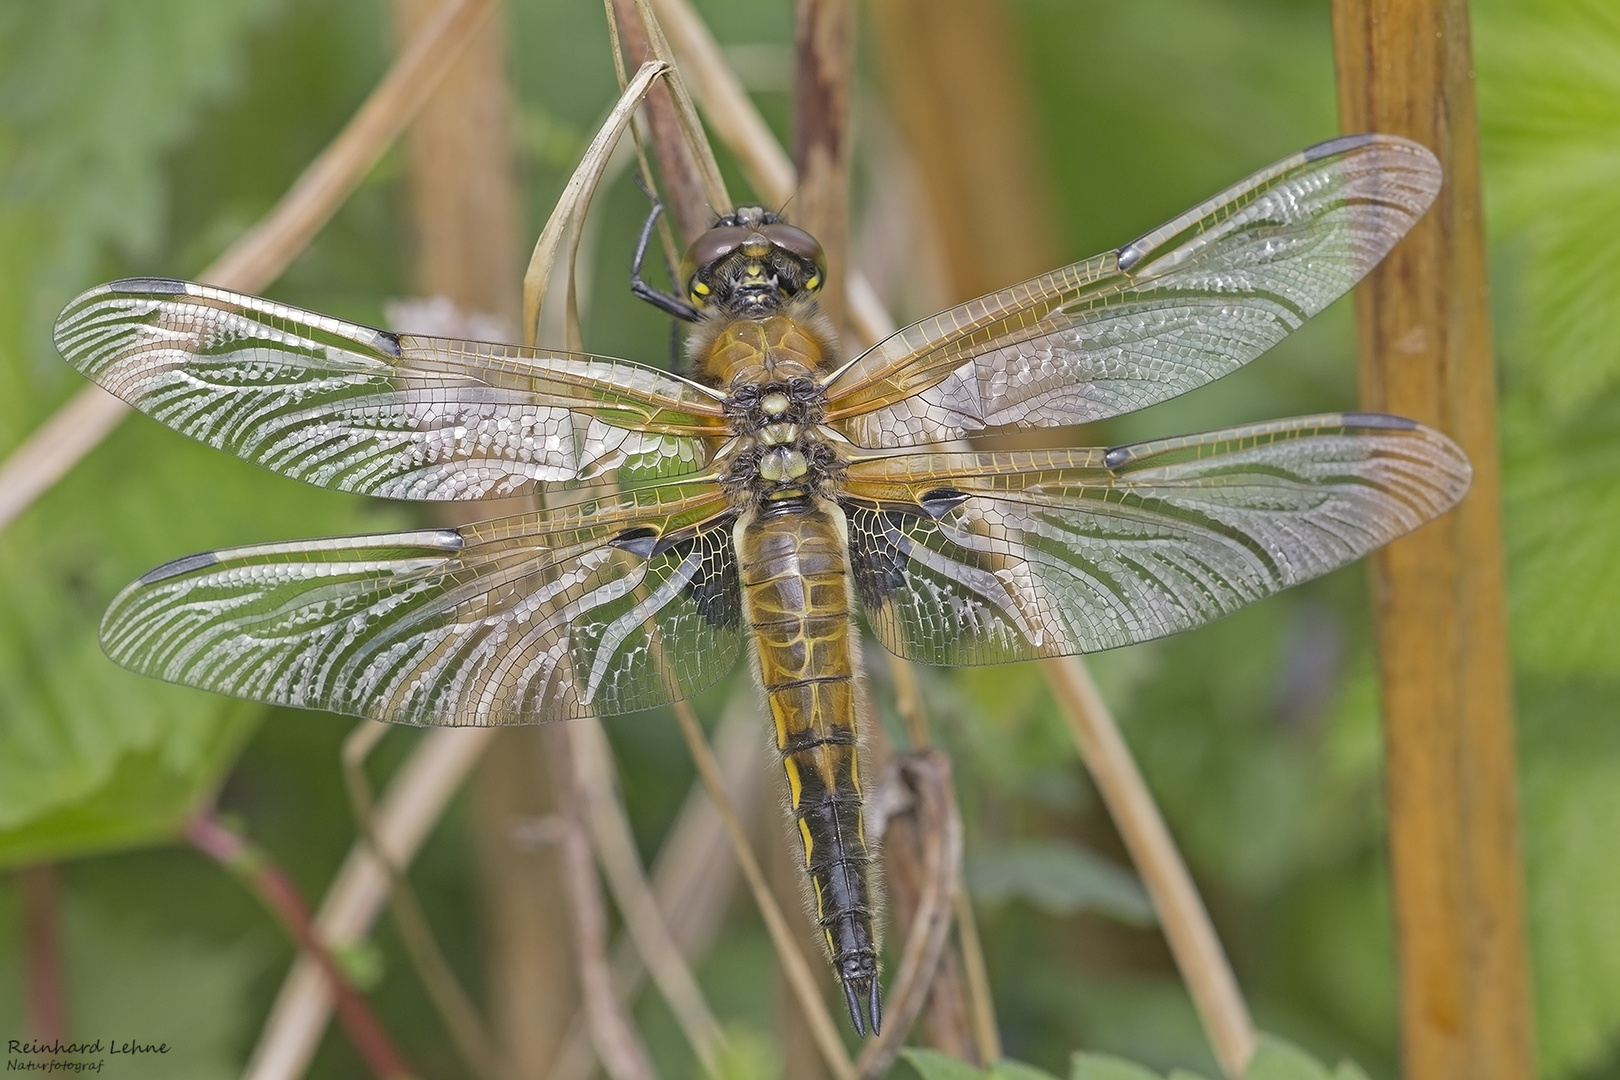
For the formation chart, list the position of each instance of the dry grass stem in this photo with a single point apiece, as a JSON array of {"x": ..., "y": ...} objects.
[
  {"x": 926, "y": 776},
  {"x": 824, "y": 45},
  {"x": 265, "y": 250},
  {"x": 788, "y": 952},
  {"x": 616, "y": 850},
  {"x": 415, "y": 800},
  {"x": 694, "y": 873},
  {"x": 617, "y": 1043},
  {"x": 455, "y": 1008},
  {"x": 980, "y": 1002},
  {"x": 683, "y": 197},
  {"x": 568, "y": 218},
  {"x": 766, "y": 166},
  {"x": 260, "y": 254},
  {"x": 1186, "y": 924},
  {"x": 909, "y": 703},
  {"x": 745, "y": 133},
  {"x": 696, "y": 140}
]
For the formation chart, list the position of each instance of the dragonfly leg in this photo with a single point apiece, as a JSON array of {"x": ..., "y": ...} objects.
[{"x": 663, "y": 301}]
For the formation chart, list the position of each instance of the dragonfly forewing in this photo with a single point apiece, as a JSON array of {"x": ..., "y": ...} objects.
[
  {"x": 349, "y": 407},
  {"x": 1191, "y": 301}
]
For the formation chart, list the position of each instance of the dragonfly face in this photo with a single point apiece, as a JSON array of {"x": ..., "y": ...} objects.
[
  {"x": 756, "y": 507},
  {"x": 750, "y": 264}
]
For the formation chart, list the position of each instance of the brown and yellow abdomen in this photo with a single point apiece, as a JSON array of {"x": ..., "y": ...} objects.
[{"x": 798, "y": 601}]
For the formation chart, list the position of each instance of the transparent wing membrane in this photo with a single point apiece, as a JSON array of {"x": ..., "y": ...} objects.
[
  {"x": 977, "y": 558},
  {"x": 607, "y": 607},
  {"x": 1189, "y": 302},
  {"x": 357, "y": 409}
]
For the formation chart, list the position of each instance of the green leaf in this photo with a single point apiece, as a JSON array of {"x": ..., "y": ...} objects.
[
  {"x": 933, "y": 1065},
  {"x": 1561, "y": 515},
  {"x": 1107, "y": 1067},
  {"x": 1007, "y": 1069},
  {"x": 1549, "y": 79},
  {"x": 1060, "y": 878},
  {"x": 93, "y": 757},
  {"x": 1277, "y": 1060},
  {"x": 1571, "y": 807}
]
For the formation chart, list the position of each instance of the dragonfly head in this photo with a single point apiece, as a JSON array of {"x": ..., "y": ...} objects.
[{"x": 750, "y": 264}]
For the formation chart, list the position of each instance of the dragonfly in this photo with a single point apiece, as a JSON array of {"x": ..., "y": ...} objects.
[{"x": 758, "y": 503}]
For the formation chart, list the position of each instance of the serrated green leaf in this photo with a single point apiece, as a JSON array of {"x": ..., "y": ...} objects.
[
  {"x": 1107, "y": 1067},
  {"x": 1561, "y": 517},
  {"x": 933, "y": 1065},
  {"x": 1549, "y": 78},
  {"x": 1060, "y": 878}
]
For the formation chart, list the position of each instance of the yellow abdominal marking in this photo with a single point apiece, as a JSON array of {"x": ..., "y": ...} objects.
[
  {"x": 809, "y": 842},
  {"x": 795, "y": 786}
]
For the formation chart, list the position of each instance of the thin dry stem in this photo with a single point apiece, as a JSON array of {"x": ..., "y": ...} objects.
[
  {"x": 568, "y": 218},
  {"x": 40, "y": 889},
  {"x": 926, "y": 774},
  {"x": 455, "y": 1008},
  {"x": 415, "y": 800},
  {"x": 618, "y": 1046},
  {"x": 708, "y": 170},
  {"x": 616, "y": 850},
  {"x": 787, "y": 949},
  {"x": 980, "y": 1002},
  {"x": 271, "y": 885},
  {"x": 263, "y": 252},
  {"x": 693, "y": 875},
  {"x": 260, "y": 256},
  {"x": 617, "y": 46},
  {"x": 765, "y": 165},
  {"x": 1181, "y": 913},
  {"x": 824, "y": 45},
  {"x": 909, "y": 703},
  {"x": 744, "y": 132}
]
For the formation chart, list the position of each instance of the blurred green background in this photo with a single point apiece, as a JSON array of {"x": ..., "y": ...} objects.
[{"x": 144, "y": 138}]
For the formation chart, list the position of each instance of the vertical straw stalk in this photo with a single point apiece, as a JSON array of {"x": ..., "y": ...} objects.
[
  {"x": 618, "y": 1044},
  {"x": 1423, "y": 322}
]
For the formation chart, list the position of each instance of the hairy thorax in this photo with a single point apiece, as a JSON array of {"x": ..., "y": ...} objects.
[{"x": 780, "y": 453}]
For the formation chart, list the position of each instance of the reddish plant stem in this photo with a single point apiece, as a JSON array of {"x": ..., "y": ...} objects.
[
  {"x": 254, "y": 868},
  {"x": 47, "y": 997}
]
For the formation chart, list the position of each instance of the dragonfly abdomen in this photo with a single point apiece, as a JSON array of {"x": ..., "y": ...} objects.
[{"x": 798, "y": 601}]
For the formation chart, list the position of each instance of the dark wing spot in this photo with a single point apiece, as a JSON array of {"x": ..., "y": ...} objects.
[
  {"x": 1378, "y": 420},
  {"x": 941, "y": 501},
  {"x": 175, "y": 567},
  {"x": 1335, "y": 146},
  {"x": 148, "y": 285},
  {"x": 642, "y": 542},
  {"x": 387, "y": 342}
]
